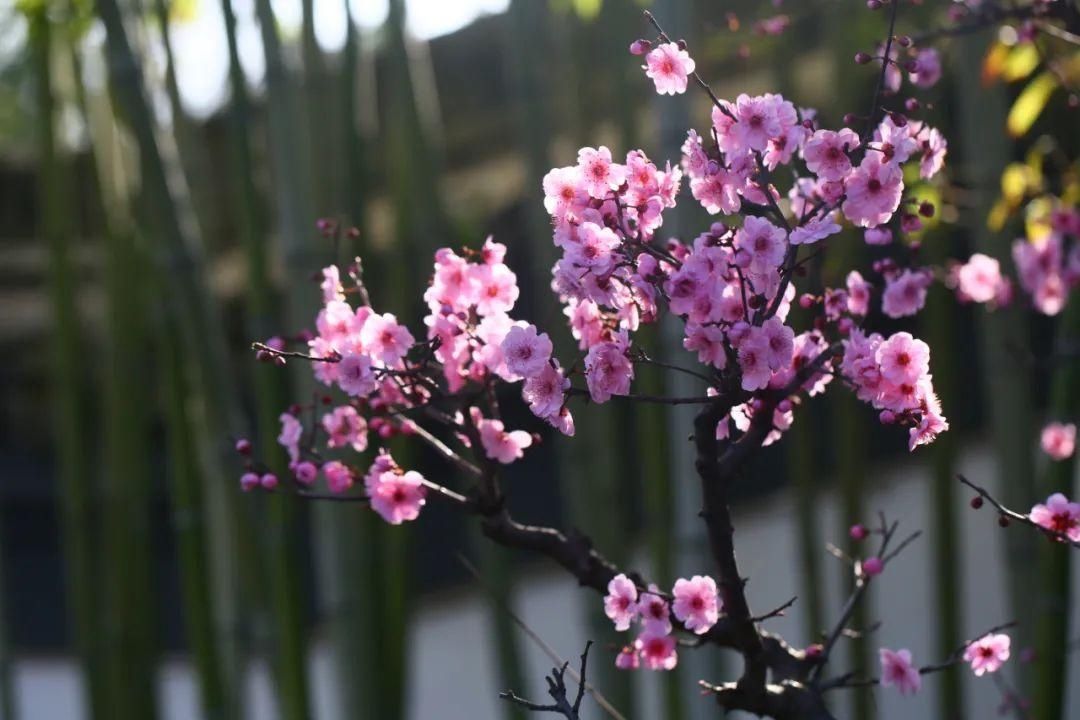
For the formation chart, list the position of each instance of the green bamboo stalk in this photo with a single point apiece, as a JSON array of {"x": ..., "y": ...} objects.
[
  {"x": 179, "y": 259},
  {"x": 76, "y": 492},
  {"x": 1052, "y": 620},
  {"x": 281, "y": 551},
  {"x": 985, "y": 153},
  {"x": 186, "y": 504},
  {"x": 940, "y": 321}
]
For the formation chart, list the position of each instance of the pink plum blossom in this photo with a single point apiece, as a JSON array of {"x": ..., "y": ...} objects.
[
  {"x": 654, "y": 611},
  {"x": 500, "y": 445},
  {"x": 813, "y": 230},
  {"x": 1058, "y": 515},
  {"x": 599, "y": 174},
  {"x": 526, "y": 351},
  {"x": 695, "y": 603},
  {"x": 898, "y": 670},
  {"x": 397, "y": 497},
  {"x": 903, "y": 359},
  {"x": 291, "y": 432},
  {"x": 905, "y": 294},
  {"x": 979, "y": 279},
  {"x": 669, "y": 66},
  {"x": 385, "y": 340},
  {"x": 546, "y": 391},
  {"x": 620, "y": 604},
  {"x": 988, "y": 653},
  {"x": 826, "y": 153},
  {"x": 345, "y": 426},
  {"x": 1058, "y": 440},
  {"x": 657, "y": 651},
  {"x": 608, "y": 371},
  {"x": 355, "y": 375},
  {"x": 339, "y": 477},
  {"x": 873, "y": 192},
  {"x": 628, "y": 658}
]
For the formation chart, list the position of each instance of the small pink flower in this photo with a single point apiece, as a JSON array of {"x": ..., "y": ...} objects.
[
  {"x": 345, "y": 426},
  {"x": 496, "y": 289},
  {"x": 628, "y": 659},
  {"x": 873, "y": 192},
  {"x": 763, "y": 241},
  {"x": 988, "y": 653},
  {"x": 305, "y": 472},
  {"x": 813, "y": 230},
  {"x": 339, "y": 477},
  {"x": 291, "y": 432},
  {"x": 500, "y": 445},
  {"x": 979, "y": 279},
  {"x": 249, "y": 481},
  {"x": 754, "y": 356},
  {"x": 599, "y": 174},
  {"x": 858, "y": 294},
  {"x": 905, "y": 294},
  {"x": 384, "y": 339},
  {"x": 878, "y": 236},
  {"x": 898, "y": 670},
  {"x": 355, "y": 375},
  {"x": 1058, "y": 440},
  {"x": 780, "y": 341},
  {"x": 526, "y": 352},
  {"x": 620, "y": 604},
  {"x": 928, "y": 70},
  {"x": 657, "y": 651},
  {"x": 396, "y": 497},
  {"x": 654, "y": 611},
  {"x": 668, "y": 66},
  {"x": 826, "y": 153},
  {"x": 903, "y": 359},
  {"x": 696, "y": 604},
  {"x": 608, "y": 371},
  {"x": 1058, "y": 515},
  {"x": 546, "y": 391}
]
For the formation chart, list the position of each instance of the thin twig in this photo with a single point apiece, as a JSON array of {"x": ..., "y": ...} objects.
[{"x": 1018, "y": 517}]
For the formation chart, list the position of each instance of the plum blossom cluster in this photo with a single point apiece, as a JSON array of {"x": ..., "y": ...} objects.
[
  {"x": 1058, "y": 515},
  {"x": 985, "y": 655},
  {"x": 893, "y": 375},
  {"x": 693, "y": 603},
  {"x": 1047, "y": 267}
]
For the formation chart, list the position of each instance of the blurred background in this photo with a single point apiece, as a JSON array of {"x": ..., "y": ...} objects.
[{"x": 163, "y": 164}]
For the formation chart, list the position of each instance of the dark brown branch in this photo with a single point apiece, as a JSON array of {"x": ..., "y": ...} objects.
[
  {"x": 556, "y": 682},
  {"x": 1017, "y": 517}
]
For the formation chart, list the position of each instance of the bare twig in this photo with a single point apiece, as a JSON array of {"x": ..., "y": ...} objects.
[{"x": 1017, "y": 517}]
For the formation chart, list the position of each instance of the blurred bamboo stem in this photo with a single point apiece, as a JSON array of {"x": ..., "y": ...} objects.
[
  {"x": 179, "y": 258},
  {"x": 186, "y": 502},
  {"x": 288, "y": 631},
  {"x": 1007, "y": 384},
  {"x": 1052, "y": 622},
  {"x": 75, "y": 482},
  {"x": 945, "y": 536}
]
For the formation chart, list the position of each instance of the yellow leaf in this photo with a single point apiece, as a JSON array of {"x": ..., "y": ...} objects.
[
  {"x": 1021, "y": 62},
  {"x": 999, "y": 214},
  {"x": 1030, "y": 104},
  {"x": 993, "y": 62},
  {"x": 1015, "y": 181},
  {"x": 182, "y": 11},
  {"x": 1037, "y": 218}
]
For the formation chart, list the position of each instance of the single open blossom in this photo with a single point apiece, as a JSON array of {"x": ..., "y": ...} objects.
[
  {"x": 500, "y": 445},
  {"x": 339, "y": 477},
  {"x": 608, "y": 371},
  {"x": 898, "y": 671},
  {"x": 355, "y": 375},
  {"x": 345, "y": 426},
  {"x": 564, "y": 192},
  {"x": 599, "y": 174},
  {"x": 826, "y": 153},
  {"x": 546, "y": 391},
  {"x": 905, "y": 294},
  {"x": 873, "y": 192},
  {"x": 928, "y": 68},
  {"x": 903, "y": 359},
  {"x": 628, "y": 658},
  {"x": 1058, "y": 515},
  {"x": 979, "y": 279},
  {"x": 620, "y": 603},
  {"x": 814, "y": 230},
  {"x": 654, "y": 611},
  {"x": 526, "y": 352},
  {"x": 657, "y": 651},
  {"x": 858, "y": 294},
  {"x": 763, "y": 241},
  {"x": 988, "y": 653},
  {"x": 754, "y": 356},
  {"x": 496, "y": 288},
  {"x": 695, "y": 603},
  {"x": 1058, "y": 440},
  {"x": 384, "y": 339},
  {"x": 291, "y": 432},
  {"x": 669, "y": 66},
  {"x": 397, "y": 497}
]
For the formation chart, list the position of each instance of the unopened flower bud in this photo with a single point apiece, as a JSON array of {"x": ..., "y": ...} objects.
[
  {"x": 903, "y": 41},
  {"x": 858, "y": 532},
  {"x": 243, "y": 446},
  {"x": 926, "y": 209},
  {"x": 640, "y": 46},
  {"x": 305, "y": 472},
  {"x": 1003, "y": 521},
  {"x": 887, "y": 417},
  {"x": 249, "y": 481},
  {"x": 911, "y": 105},
  {"x": 872, "y": 566},
  {"x": 862, "y": 58},
  {"x": 269, "y": 481},
  {"x": 976, "y": 502},
  {"x": 807, "y": 301}
]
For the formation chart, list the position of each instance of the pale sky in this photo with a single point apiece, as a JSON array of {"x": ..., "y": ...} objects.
[{"x": 202, "y": 56}]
